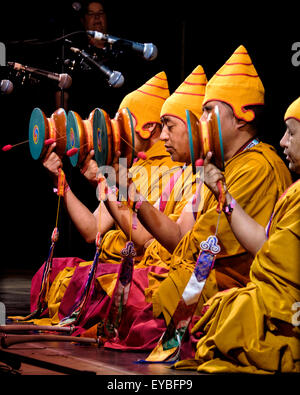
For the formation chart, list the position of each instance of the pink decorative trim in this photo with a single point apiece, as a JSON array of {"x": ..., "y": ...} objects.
[
  {"x": 174, "y": 115},
  {"x": 291, "y": 117},
  {"x": 156, "y": 86},
  {"x": 234, "y": 63},
  {"x": 146, "y": 130},
  {"x": 134, "y": 116},
  {"x": 188, "y": 93},
  {"x": 242, "y": 108},
  {"x": 151, "y": 94},
  {"x": 194, "y": 83},
  {"x": 234, "y": 74},
  {"x": 160, "y": 78}
]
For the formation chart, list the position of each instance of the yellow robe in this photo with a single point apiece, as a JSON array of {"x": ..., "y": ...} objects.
[
  {"x": 155, "y": 254},
  {"x": 256, "y": 178},
  {"x": 256, "y": 329},
  {"x": 150, "y": 177}
]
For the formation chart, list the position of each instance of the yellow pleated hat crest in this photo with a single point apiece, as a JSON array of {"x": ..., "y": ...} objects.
[
  {"x": 293, "y": 110},
  {"x": 188, "y": 96},
  {"x": 145, "y": 102},
  {"x": 237, "y": 84}
]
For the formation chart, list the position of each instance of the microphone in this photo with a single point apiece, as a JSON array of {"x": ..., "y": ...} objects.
[
  {"x": 115, "y": 78},
  {"x": 76, "y": 6},
  {"x": 64, "y": 80},
  {"x": 148, "y": 50},
  {"x": 6, "y": 87}
]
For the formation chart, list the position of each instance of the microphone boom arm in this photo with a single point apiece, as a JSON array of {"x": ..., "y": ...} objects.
[
  {"x": 115, "y": 78},
  {"x": 64, "y": 80},
  {"x": 148, "y": 50}
]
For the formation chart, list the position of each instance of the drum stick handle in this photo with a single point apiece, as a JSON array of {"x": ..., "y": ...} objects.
[
  {"x": 221, "y": 200},
  {"x": 32, "y": 327}
]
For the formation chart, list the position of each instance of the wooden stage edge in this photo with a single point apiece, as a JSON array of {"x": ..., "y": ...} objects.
[{"x": 71, "y": 358}]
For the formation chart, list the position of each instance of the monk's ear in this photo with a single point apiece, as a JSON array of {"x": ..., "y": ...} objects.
[
  {"x": 150, "y": 126},
  {"x": 240, "y": 123}
]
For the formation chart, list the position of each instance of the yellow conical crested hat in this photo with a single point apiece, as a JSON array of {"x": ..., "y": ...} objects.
[
  {"x": 237, "y": 84},
  {"x": 145, "y": 103},
  {"x": 188, "y": 96},
  {"x": 293, "y": 111}
]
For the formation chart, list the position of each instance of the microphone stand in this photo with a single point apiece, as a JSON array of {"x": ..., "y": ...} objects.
[
  {"x": 62, "y": 91},
  {"x": 62, "y": 105}
]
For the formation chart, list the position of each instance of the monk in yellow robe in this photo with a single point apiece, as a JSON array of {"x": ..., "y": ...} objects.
[
  {"x": 151, "y": 172},
  {"x": 171, "y": 204},
  {"x": 190, "y": 93},
  {"x": 254, "y": 173},
  {"x": 255, "y": 329},
  {"x": 144, "y": 104},
  {"x": 150, "y": 176}
]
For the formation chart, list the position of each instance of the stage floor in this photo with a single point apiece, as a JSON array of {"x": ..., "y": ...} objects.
[
  {"x": 117, "y": 369},
  {"x": 65, "y": 358}
]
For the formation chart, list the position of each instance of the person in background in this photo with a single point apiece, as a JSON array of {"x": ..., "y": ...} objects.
[
  {"x": 93, "y": 17},
  {"x": 89, "y": 87}
]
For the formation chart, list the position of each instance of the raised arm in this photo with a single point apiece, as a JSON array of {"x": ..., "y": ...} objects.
[
  {"x": 152, "y": 223},
  {"x": 85, "y": 221},
  {"x": 247, "y": 231},
  {"x": 89, "y": 169},
  {"x": 167, "y": 232}
]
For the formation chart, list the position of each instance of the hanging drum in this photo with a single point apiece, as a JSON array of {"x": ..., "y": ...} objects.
[
  {"x": 211, "y": 138},
  {"x": 102, "y": 138},
  {"x": 79, "y": 137},
  {"x": 43, "y": 131},
  {"x": 205, "y": 136},
  {"x": 194, "y": 138},
  {"x": 112, "y": 135}
]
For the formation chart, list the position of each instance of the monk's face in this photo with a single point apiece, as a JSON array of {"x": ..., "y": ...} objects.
[
  {"x": 291, "y": 144},
  {"x": 175, "y": 135}
]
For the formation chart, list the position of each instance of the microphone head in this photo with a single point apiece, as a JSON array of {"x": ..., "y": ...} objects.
[
  {"x": 65, "y": 81},
  {"x": 6, "y": 87},
  {"x": 76, "y": 6},
  {"x": 97, "y": 35},
  {"x": 150, "y": 51},
  {"x": 116, "y": 79}
]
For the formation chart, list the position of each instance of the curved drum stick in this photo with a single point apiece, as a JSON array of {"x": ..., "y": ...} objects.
[
  {"x": 221, "y": 201},
  {"x": 7, "y": 341},
  {"x": 32, "y": 327}
]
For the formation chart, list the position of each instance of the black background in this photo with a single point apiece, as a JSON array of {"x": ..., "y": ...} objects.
[{"x": 186, "y": 34}]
